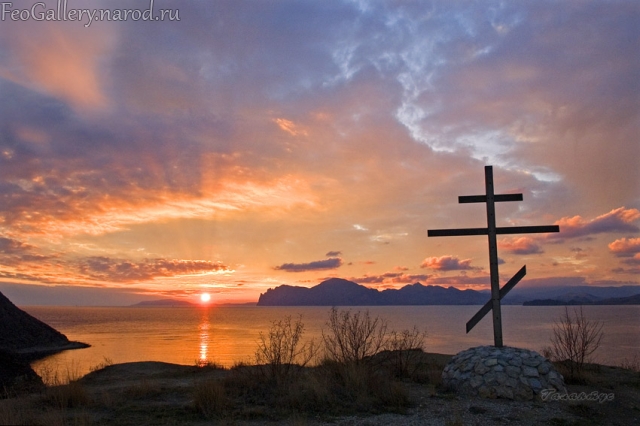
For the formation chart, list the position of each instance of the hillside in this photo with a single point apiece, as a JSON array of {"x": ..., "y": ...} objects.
[{"x": 22, "y": 334}]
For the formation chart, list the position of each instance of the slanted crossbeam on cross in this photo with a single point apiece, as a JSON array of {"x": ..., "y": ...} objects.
[{"x": 492, "y": 231}]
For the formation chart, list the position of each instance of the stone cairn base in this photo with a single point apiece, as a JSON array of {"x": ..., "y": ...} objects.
[{"x": 510, "y": 373}]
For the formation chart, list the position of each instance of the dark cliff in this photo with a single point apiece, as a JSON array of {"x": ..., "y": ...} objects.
[{"x": 24, "y": 335}]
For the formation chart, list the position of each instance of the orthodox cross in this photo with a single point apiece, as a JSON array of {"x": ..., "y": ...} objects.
[{"x": 492, "y": 231}]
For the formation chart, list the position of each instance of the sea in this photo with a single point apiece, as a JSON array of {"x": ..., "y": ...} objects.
[{"x": 227, "y": 335}]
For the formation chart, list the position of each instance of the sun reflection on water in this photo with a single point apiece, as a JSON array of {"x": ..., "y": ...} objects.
[{"x": 203, "y": 329}]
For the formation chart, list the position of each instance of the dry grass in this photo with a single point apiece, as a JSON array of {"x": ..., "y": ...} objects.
[
  {"x": 71, "y": 395},
  {"x": 52, "y": 376},
  {"x": 210, "y": 398},
  {"x": 106, "y": 362}
]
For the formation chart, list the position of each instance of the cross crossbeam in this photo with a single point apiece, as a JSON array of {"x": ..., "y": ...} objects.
[
  {"x": 492, "y": 231},
  {"x": 485, "y": 231}
]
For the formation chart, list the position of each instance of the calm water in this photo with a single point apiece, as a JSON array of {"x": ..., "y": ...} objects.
[{"x": 230, "y": 334}]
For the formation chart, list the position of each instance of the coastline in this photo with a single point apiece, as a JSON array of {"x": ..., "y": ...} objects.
[{"x": 36, "y": 353}]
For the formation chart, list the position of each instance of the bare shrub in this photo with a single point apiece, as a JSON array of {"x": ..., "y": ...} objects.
[
  {"x": 575, "y": 339},
  {"x": 547, "y": 352},
  {"x": 351, "y": 337},
  {"x": 632, "y": 364},
  {"x": 282, "y": 348},
  {"x": 406, "y": 347}
]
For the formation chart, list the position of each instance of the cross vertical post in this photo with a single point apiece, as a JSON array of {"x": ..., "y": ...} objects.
[
  {"x": 493, "y": 258},
  {"x": 497, "y": 293}
]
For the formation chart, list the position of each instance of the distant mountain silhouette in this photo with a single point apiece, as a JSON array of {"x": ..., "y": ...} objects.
[
  {"x": 162, "y": 303},
  {"x": 24, "y": 335},
  {"x": 518, "y": 296},
  {"x": 631, "y": 300},
  {"x": 341, "y": 292}
]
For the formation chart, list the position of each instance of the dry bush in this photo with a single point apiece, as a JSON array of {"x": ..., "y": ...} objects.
[
  {"x": 632, "y": 364},
  {"x": 282, "y": 349},
  {"x": 210, "y": 398},
  {"x": 406, "y": 349},
  {"x": 351, "y": 337},
  {"x": 575, "y": 339}
]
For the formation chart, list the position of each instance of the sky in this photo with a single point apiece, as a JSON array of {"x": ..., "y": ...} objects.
[{"x": 244, "y": 145}]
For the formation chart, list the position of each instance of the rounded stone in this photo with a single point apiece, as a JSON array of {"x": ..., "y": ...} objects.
[
  {"x": 491, "y": 362},
  {"x": 480, "y": 371},
  {"x": 530, "y": 372}
]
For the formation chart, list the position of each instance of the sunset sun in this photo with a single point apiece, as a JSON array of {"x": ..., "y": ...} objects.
[{"x": 205, "y": 297}]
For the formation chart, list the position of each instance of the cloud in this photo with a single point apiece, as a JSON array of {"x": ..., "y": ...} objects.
[
  {"x": 318, "y": 265},
  {"x": 635, "y": 260},
  {"x": 60, "y": 61},
  {"x": 121, "y": 270},
  {"x": 625, "y": 247},
  {"x": 390, "y": 278},
  {"x": 520, "y": 245},
  {"x": 617, "y": 220},
  {"x": 461, "y": 280},
  {"x": 333, "y": 253},
  {"x": 290, "y": 127},
  {"x": 11, "y": 246},
  {"x": 579, "y": 252},
  {"x": 448, "y": 263}
]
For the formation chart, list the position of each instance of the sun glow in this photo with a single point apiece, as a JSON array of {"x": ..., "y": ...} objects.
[{"x": 205, "y": 297}]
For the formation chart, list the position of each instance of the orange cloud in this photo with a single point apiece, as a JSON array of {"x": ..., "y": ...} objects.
[
  {"x": 520, "y": 245},
  {"x": 626, "y": 247},
  {"x": 87, "y": 215},
  {"x": 448, "y": 263},
  {"x": 617, "y": 220},
  {"x": 290, "y": 127},
  {"x": 390, "y": 278},
  {"x": 61, "y": 63},
  {"x": 119, "y": 270}
]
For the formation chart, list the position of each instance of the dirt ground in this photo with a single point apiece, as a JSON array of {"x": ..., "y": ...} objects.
[{"x": 157, "y": 393}]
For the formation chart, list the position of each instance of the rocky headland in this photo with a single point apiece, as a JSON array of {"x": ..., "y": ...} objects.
[{"x": 24, "y": 338}]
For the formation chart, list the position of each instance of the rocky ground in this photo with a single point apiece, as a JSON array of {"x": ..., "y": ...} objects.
[{"x": 168, "y": 394}]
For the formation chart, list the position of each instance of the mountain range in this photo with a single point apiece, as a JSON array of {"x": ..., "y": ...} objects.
[
  {"x": 341, "y": 292},
  {"x": 630, "y": 300}
]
